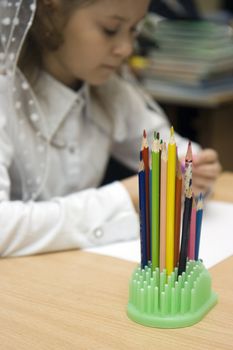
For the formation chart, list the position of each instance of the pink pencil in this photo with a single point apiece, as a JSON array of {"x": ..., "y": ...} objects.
[
  {"x": 163, "y": 205},
  {"x": 192, "y": 237}
]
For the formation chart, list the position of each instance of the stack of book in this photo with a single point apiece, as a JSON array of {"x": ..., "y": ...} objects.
[{"x": 192, "y": 54}]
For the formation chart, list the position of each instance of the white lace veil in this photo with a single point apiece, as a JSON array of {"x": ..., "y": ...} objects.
[{"x": 16, "y": 17}]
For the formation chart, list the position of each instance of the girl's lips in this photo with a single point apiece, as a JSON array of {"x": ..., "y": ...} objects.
[{"x": 110, "y": 67}]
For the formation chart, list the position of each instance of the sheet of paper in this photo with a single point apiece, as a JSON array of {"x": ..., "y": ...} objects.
[{"x": 216, "y": 237}]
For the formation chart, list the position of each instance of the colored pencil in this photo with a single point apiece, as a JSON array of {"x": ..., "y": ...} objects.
[
  {"x": 177, "y": 211},
  {"x": 160, "y": 192},
  {"x": 145, "y": 158},
  {"x": 163, "y": 207},
  {"x": 188, "y": 167},
  {"x": 155, "y": 190},
  {"x": 170, "y": 215},
  {"x": 192, "y": 238},
  {"x": 185, "y": 230},
  {"x": 142, "y": 213},
  {"x": 198, "y": 225}
]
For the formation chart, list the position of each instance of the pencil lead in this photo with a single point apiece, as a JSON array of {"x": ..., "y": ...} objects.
[
  {"x": 189, "y": 154},
  {"x": 144, "y": 141},
  {"x": 161, "y": 145},
  {"x": 200, "y": 202},
  {"x": 172, "y": 131},
  {"x": 172, "y": 136},
  {"x": 156, "y": 145},
  {"x": 140, "y": 155}
]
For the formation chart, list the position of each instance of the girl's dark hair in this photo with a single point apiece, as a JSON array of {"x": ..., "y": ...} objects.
[{"x": 46, "y": 33}]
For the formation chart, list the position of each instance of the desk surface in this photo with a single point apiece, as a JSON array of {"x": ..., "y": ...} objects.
[{"x": 77, "y": 300}]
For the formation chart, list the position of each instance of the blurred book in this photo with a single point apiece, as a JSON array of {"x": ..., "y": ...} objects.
[{"x": 188, "y": 53}]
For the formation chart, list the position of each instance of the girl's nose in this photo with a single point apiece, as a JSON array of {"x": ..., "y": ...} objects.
[{"x": 123, "y": 48}]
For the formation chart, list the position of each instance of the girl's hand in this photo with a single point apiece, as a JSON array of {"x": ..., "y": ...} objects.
[
  {"x": 131, "y": 185},
  {"x": 206, "y": 169}
]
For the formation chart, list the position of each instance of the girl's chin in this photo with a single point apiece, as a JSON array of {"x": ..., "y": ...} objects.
[{"x": 100, "y": 79}]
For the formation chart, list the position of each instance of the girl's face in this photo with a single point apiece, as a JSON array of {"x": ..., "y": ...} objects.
[{"x": 97, "y": 39}]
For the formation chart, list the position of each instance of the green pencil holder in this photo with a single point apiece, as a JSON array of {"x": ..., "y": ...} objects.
[{"x": 156, "y": 300}]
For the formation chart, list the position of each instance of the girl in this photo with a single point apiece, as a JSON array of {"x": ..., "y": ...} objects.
[{"x": 58, "y": 132}]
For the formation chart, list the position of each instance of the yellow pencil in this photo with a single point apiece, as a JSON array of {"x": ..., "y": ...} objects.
[
  {"x": 170, "y": 217},
  {"x": 163, "y": 207}
]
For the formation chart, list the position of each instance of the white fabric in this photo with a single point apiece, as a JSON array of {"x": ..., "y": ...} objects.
[
  {"x": 85, "y": 129},
  {"x": 216, "y": 238}
]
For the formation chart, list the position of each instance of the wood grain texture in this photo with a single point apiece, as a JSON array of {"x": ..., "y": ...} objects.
[{"x": 77, "y": 300}]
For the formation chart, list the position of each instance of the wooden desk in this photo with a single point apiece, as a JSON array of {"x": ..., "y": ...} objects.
[
  {"x": 223, "y": 190},
  {"x": 77, "y": 300}
]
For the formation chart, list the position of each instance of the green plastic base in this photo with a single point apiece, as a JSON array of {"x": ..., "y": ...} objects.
[{"x": 156, "y": 300}]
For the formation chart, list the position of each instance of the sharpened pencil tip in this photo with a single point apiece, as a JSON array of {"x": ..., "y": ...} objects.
[
  {"x": 144, "y": 141},
  {"x": 189, "y": 154},
  {"x": 172, "y": 131}
]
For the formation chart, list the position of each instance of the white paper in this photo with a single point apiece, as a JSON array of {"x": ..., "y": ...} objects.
[{"x": 216, "y": 237}]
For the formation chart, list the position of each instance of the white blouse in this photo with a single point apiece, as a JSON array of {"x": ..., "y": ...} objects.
[{"x": 84, "y": 129}]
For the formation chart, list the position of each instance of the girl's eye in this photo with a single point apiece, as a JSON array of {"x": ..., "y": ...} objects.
[
  {"x": 110, "y": 32},
  {"x": 135, "y": 31}
]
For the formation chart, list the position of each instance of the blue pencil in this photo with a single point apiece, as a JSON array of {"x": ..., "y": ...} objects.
[
  {"x": 198, "y": 225},
  {"x": 142, "y": 211}
]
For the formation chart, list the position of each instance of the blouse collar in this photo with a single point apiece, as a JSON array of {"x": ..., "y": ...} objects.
[{"x": 56, "y": 100}]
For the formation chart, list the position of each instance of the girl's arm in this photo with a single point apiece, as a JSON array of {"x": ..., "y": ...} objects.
[{"x": 84, "y": 219}]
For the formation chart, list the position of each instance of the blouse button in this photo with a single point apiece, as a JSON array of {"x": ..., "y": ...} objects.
[
  {"x": 72, "y": 149},
  {"x": 98, "y": 233}
]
